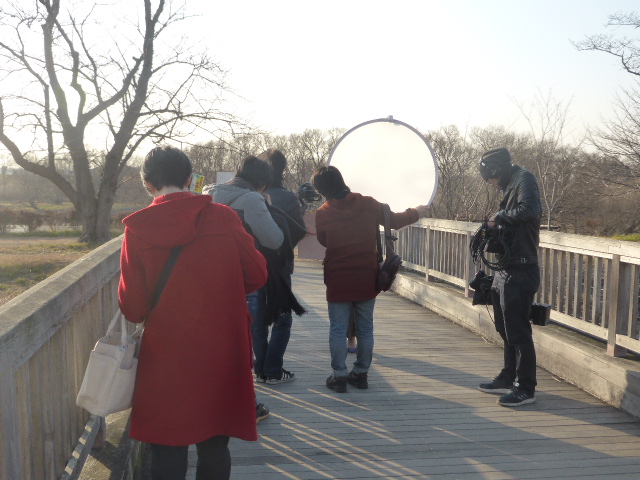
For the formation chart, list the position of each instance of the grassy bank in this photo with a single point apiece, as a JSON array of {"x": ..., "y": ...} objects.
[{"x": 29, "y": 259}]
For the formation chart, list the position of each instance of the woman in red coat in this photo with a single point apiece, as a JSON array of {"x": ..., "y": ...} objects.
[
  {"x": 347, "y": 225},
  {"x": 195, "y": 381}
]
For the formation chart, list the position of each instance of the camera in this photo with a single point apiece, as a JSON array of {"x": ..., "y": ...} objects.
[
  {"x": 307, "y": 194},
  {"x": 492, "y": 239},
  {"x": 481, "y": 283}
]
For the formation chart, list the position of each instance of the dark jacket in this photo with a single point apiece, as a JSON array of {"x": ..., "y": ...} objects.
[
  {"x": 287, "y": 201},
  {"x": 519, "y": 213},
  {"x": 348, "y": 228},
  {"x": 279, "y": 297}
]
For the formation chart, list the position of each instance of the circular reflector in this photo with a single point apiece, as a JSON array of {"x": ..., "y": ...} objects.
[{"x": 388, "y": 160}]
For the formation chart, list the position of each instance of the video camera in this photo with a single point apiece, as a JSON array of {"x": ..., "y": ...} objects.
[
  {"x": 307, "y": 194},
  {"x": 482, "y": 283}
]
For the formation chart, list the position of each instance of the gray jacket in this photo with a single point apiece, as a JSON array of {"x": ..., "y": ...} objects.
[{"x": 238, "y": 195}]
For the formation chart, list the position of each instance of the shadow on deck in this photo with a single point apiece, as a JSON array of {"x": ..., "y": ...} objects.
[{"x": 422, "y": 416}]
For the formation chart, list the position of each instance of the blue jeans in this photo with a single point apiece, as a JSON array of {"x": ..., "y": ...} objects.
[
  {"x": 339, "y": 324},
  {"x": 269, "y": 352}
]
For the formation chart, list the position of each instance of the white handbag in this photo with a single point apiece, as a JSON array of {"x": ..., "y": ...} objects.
[{"x": 110, "y": 377}]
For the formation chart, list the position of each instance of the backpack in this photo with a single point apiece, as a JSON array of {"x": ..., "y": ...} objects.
[{"x": 389, "y": 268}]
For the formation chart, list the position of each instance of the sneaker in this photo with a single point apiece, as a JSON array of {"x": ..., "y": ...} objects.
[
  {"x": 338, "y": 384},
  {"x": 262, "y": 412},
  {"x": 498, "y": 385},
  {"x": 285, "y": 377},
  {"x": 516, "y": 397},
  {"x": 261, "y": 378},
  {"x": 358, "y": 379}
]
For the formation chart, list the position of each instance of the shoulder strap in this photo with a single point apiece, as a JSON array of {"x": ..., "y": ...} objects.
[
  {"x": 388, "y": 238},
  {"x": 379, "y": 243},
  {"x": 164, "y": 276}
]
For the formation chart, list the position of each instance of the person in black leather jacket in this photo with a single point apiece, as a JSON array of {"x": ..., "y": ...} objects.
[{"x": 518, "y": 279}]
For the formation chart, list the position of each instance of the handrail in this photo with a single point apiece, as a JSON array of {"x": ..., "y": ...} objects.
[
  {"x": 46, "y": 334},
  {"x": 592, "y": 284}
]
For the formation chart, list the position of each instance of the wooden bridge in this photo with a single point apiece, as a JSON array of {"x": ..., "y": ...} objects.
[{"x": 423, "y": 416}]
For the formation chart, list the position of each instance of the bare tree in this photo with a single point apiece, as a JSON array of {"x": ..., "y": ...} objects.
[
  {"x": 550, "y": 157},
  {"x": 308, "y": 151},
  {"x": 459, "y": 183},
  {"x": 620, "y": 136},
  {"x": 626, "y": 49},
  {"x": 78, "y": 91}
]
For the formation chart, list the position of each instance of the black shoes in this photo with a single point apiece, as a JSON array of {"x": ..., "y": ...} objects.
[
  {"x": 337, "y": 384},
  {"x": 359, "y": 380},
  {"x": 285, "y": 376},
  {"x": 516, "y": 397},
  {"x": 498, "y": 385},
  {"x": 262, "y": 412}
]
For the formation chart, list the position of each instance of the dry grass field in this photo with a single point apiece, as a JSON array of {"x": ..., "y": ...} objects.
[{"x": 25, "y": 261}]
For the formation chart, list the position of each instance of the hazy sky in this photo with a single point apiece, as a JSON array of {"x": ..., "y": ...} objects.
[
  {"x": 303, "y": 64},
  {"x": 298, "y": 64}
]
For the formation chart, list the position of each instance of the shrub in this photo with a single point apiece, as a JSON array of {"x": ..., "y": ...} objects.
[
  {"x": 54, "y": 220},
  {"x": 31, "y": 220},
  {"x": 7, "y": 217}
]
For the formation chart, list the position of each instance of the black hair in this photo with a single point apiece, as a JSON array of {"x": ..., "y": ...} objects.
[
  {"x": 278, "y": 162},
  {"x": 329, "y": 183},
  {"x": 166, "y": 167},
  {"x": 258, "y": 173}
]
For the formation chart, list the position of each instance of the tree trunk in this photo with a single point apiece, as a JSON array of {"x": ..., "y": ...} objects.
[{"x": 96, "y": 221}]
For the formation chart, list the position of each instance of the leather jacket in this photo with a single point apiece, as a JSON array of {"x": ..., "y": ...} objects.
[{"x": 520, "y": 212}]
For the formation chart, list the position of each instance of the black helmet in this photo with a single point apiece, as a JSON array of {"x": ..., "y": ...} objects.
[{"x": 494, "y": 163}]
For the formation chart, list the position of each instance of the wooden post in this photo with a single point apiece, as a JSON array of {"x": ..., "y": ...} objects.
[
  {"x": 468, "y": 266},
  {"x": 427, "y": 260},
  {"x": 9, "y": 448},
  {"x": 614, "y": 287}
]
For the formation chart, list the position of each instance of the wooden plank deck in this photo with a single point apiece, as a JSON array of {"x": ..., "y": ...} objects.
[{"x": 422, "y": 416}]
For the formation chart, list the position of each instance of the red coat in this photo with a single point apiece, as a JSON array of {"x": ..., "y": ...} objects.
[
  {"x": 194, "y": 373},
  {"x": 348, "y": 229}
]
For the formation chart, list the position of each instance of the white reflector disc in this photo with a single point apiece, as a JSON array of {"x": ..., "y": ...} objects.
[{"x": 389, "y": 161}]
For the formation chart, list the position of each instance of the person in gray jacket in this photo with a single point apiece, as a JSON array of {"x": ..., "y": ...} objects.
[
  {"x": 273, "y": 346},
  {"x": 273, "y": 230},
  {"x": 244, "y": 194}
]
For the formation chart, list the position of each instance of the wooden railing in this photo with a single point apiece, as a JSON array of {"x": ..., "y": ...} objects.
[
  {"x": 592, "y": 284},
  {"x": 46, "y": 335}
]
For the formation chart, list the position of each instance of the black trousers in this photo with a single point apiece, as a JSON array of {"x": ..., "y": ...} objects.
[
  {"x": 512, "y": 295},
  {"x": 214, "y": 460}
]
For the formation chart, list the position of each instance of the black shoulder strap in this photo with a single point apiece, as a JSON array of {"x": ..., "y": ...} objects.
[
  {"x": 388, "y": 238},
  {"x": 379, "y": 242},
  {"x": 164, "y": 276}
]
